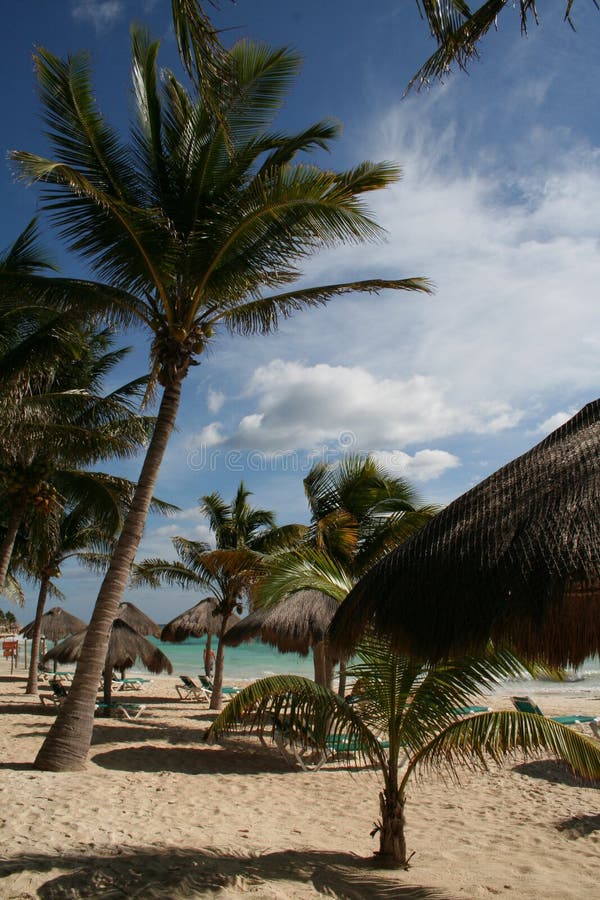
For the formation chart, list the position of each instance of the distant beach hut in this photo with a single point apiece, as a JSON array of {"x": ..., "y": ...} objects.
[
  {"x": 56, "y": 624},
  {"x": 133, "y": 616},
  {"x": 125, "y": 647},
  {"x": 295, "y": 625},
  {"x": 201, "y": 619},
  {"x": 515, "y": 559}
]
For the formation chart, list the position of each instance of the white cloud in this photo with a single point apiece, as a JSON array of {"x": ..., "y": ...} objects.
[
  {"x": 215, "y": 400},
  {"x": 101, "y": 13},
  {"x": 555, "y": 421},
  {"x": 303, "y": 407},
  {"x": 425, "y": 465}
]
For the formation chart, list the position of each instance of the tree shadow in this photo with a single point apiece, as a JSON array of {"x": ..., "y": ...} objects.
[
  {"x": 579, "y": 826},
  {"x": 184, "y": 874},
  {"x": 201, "y": 760},
  {"x": 554, "y": 770}
]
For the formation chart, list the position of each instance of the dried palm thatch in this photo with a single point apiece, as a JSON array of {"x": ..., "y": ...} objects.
[
  {"x": 299, "y": 622},
  {"x": 125, "y": 646},
  {"x": 195, "y": 622},
  {"x": 57, "y": 623},
  {"x": 515, "y": 559},
  {"x": 138, "y": 620},
  {"x": 246, "y": 629}
]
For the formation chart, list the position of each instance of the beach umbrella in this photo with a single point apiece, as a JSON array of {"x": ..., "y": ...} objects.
[
  {"x": 515, "y": 559},
  {"x": 201, "y": 619},
  {"x": 57, "y": 623},
  {"x": 125, "y": 646},
  {"x": 295, "y": 625},
  {"x": 138, "y": 620}
]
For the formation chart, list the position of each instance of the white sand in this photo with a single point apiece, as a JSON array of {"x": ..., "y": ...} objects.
[{"x": 157, "y": 813}]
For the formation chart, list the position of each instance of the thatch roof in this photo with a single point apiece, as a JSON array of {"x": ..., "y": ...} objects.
[
  {"x": 138, "y": 620},
  {"x": 195, "y": 622},
  {"x": 57, "y": 623},
  {"x": 247, "y": 628},
  {"x": 125, "y": 646},
  {"x": 293, "y": 626},
  {"x": 517, "y": 559}
]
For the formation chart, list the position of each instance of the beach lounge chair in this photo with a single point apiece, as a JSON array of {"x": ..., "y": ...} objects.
[
  {"x": 125, "y": 710},
  {"x": 130, "y": 684},
  {"x": 209, "y": 686},
  {"x": 526, "y": 704},
  {"x": 59, "y": 692},
  {"x": 471, "y": 710},
  {"x": 190, "y": 690}
]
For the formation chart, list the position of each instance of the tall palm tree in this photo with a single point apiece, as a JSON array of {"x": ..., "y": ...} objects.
[
  {"x": 408, "y": 716},
  {"x": 227, "y": 574},
  {"x": 188, "y": 229}
]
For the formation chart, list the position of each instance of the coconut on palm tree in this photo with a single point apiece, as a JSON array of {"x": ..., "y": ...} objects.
[
  {"x": 408, "y": 716},
  {"x": 196, "y": 228}
]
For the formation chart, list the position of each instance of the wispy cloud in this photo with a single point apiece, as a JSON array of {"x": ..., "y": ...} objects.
[{"x": 100, "y": 13}]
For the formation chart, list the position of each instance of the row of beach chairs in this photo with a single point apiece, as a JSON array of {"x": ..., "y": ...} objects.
[
  {"x": 200, "y": 690},
  {"x": 126, "y": 710}
]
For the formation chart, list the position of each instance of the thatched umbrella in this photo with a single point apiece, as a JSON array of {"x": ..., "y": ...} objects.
[
  {"x": 138, "y": 620},
  {"x": 125, "y": 646},
  {"x": 299, "y": 622},
  {"x": 201, "y": 619},
  {"x": 515, "y": 559},
  {"x": 56, "y": 624}
]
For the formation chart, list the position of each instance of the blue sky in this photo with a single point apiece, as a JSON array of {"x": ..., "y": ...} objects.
[{"x": 499, "y": 206}]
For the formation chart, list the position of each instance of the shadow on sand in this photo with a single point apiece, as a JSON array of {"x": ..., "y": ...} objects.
[
  {"x": 184, "y": 874},
  {"x": 556, "y": 771},
  {"x": 579, "y": 826},
  {"x": 201, "y": 760}
]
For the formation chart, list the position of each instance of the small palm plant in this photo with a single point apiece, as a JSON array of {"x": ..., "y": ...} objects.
[{"x": 407, "y": 715}]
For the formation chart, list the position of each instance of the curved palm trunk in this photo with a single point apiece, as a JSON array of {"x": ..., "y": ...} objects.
[
  {"x": 12, "y": 529},
  {"x": 68, "y": 741},
  {"x": 342, "y": 679},
  {"x": 319, "y": 662},
  {"x": 32, "y": 681},
  {"x": 216, "y": 699}
]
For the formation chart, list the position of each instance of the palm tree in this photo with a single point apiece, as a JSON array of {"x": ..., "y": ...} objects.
[
  {"x": 188, "y": 224},
  {"x": 358, "y": 512},
  {"x": 407, "y": 716},
  {"x": 458, "y": 31},
  {"x": 238, "y": 525},
  {"x": 227, "y": 574},
  {"x": 61, "y": 423}
]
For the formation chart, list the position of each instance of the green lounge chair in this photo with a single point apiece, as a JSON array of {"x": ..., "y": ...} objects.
[
  {"x": 190, "y": 690},
  {"x": 130, "y": 684},
  {"x": 471, "y": 710},
  {"x": 125, "y": 710},
  {"x": 209, "y": 686},
  {"x": 526, "y": 705},
  {"x": 59, "y": 692}
]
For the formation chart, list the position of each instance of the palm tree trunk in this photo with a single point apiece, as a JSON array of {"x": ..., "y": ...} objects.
[
  {"x": 319, "y": 662},
  {"x": 207, "y": 660},
  {"x": 107, "y": 688},
  {"x": 32, "y": 681},
  {"x": 392, "y": 842},
  {"x": 68, "y": 741},
  {"x": 342, "y": 679},
  {"x": 216, "y": 699},
  {"x": 12, "y": 529}
]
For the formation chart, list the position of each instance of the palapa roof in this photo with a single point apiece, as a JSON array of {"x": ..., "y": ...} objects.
[
  {"x": 125, "y": 646},
  {"x": 138, "y": 620},
  {"x": 293, "y": 626},
  {"x": 247, "y": 628},
  {"x": 57, "y": 623},
  {"x": 195, "y": 622},
  {"x": 516, "y": 559}
]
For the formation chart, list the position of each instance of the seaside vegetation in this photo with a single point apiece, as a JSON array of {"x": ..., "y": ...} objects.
[
  {"x": 186, "y": 226},
  {"x": 243, "y": 535},
  {"x": 404, "y": 717}
]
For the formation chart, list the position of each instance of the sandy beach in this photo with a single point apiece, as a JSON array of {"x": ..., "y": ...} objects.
[{"x": 158, "y": 813}]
